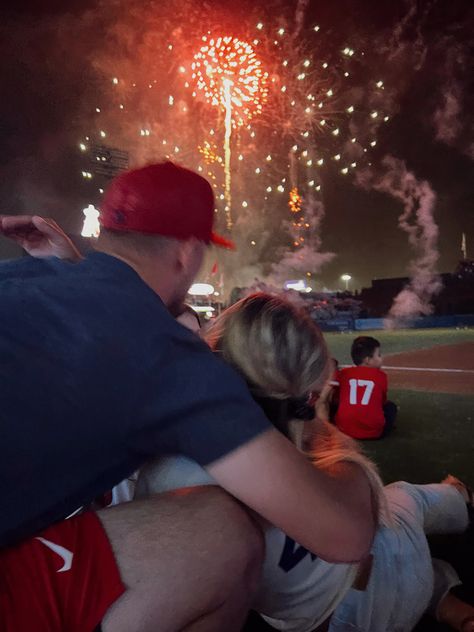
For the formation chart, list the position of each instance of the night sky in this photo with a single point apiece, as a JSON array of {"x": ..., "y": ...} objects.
[{"x": 49, "y": 79}]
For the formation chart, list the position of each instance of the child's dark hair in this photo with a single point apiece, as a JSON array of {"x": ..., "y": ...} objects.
[{"x": 363, "y": 347}]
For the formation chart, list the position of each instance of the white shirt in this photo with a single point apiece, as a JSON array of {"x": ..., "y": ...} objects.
[{"x": 298, "y": 590}]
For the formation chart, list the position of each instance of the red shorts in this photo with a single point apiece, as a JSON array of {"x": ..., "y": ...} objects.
[{"x": 63, "y": 580}]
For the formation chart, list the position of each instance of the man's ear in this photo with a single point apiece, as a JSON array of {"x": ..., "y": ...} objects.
[{"x": 183, "y": 252}]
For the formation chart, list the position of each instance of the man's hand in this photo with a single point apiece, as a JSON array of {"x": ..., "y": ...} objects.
[{"x": 40, "y": 237}]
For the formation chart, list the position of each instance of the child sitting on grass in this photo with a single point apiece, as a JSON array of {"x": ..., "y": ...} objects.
[{"x": 363, "y": 411}]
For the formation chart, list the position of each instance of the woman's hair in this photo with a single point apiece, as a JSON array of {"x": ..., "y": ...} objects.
[
  {"x": 326, "y": 446},
  {"x": 282, "y": 354},
  {"x": 277, "y": 348}
]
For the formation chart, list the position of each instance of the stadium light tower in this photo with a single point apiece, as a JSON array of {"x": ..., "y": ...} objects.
[{"x": 346, "y": 278}]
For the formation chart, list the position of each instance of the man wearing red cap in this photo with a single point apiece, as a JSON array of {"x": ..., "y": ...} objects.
[{"x": 96, "y": 378}]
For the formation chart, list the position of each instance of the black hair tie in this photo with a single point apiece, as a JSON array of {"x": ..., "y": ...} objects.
[{"x": 281, "y": 411}]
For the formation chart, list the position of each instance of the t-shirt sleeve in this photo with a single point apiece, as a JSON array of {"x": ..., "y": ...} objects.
[
  {"x": 202, "y": 408},
  {"x": 16, "y": 270}
]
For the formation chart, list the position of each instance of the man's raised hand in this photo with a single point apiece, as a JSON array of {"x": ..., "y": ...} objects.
[{"x": 39, "y": 236}]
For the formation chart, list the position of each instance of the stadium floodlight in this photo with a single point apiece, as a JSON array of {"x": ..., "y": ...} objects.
[
  {"x": 201, "y": 289},
  {"x": 204, "y": 309},
  {"x": 346, "y": 278},
  {"x": 298, "y": 286}
]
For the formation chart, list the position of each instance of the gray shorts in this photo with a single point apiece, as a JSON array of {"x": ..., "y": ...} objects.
[{"x": 404, "y": 580}]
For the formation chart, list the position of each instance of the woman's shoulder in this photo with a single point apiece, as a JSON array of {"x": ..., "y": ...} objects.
[{"x": 171, "y": 472}]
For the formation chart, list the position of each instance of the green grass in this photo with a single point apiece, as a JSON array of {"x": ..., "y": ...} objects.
[
  {"x": 434, "y": 435},
  {"x": 398, "y": 340},
  {"x": 434, "y": 431},
  {"x": 433, "y": 438}
]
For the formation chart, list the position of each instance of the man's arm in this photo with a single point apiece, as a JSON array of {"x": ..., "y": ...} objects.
[
  {"x": 39, "y": 236},
  {"x": 329, "y": 514}
]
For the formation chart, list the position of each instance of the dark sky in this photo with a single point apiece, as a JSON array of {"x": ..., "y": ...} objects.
[{"x": 44, "y": 89}]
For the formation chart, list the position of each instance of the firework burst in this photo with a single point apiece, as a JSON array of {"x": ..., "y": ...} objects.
[
  {"x": 289, "y": 110},
  {"x": 226, "y": 66},
  {"x": 229, "y": 74}
]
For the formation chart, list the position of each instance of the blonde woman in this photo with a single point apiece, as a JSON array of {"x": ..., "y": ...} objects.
[{"x": 283, "y": 357}]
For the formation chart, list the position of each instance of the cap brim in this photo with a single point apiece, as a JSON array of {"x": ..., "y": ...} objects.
[{"x": 218, "y": 240}]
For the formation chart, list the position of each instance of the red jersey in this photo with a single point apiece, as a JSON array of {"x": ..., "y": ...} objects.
[{"x": 362, "y": 394}]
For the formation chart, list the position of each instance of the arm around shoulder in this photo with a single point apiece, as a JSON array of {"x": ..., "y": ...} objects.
[{"x": 330, "y": 514}]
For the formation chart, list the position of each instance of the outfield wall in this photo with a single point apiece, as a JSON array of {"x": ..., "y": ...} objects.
[{"x": 427, "y": 322}]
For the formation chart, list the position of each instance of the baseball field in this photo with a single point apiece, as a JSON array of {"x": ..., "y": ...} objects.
[{"x": 431, "y": 378}]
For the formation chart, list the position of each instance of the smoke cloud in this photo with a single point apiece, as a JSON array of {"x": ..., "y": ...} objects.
[
  {"x": 307, "y": 257},
  {"x": 452, "y": 120},
  {"x": 408, "y": 36},
  {"x": 446, "y": 116},
  {"x": 417, "y": 221},
  {"x": 300, "y": 14}
]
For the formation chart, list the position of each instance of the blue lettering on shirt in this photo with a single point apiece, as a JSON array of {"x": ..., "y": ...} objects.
[{"x": 292, "y": 555}]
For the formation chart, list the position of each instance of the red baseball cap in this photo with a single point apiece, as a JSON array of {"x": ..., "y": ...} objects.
[{"x": 162, "y": 199}]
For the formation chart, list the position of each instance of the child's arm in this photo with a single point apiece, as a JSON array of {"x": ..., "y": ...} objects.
[
  {"x": 323, "y": 400},
  {"x": 384, "y": 386},
  {"x": 325, "y": 397}
]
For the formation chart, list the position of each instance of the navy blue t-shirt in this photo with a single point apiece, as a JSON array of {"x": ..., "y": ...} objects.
[{"x": 96, "y": 377}]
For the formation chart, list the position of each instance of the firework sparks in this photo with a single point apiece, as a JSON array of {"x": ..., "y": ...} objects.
[
  {"x": 230, "y": 75},
  {"x": 226, "y": 68},
  {"x": 295, "y": 201},
  {"x": 289, "y": 110},
  {"x": 209, "y": 152}
]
